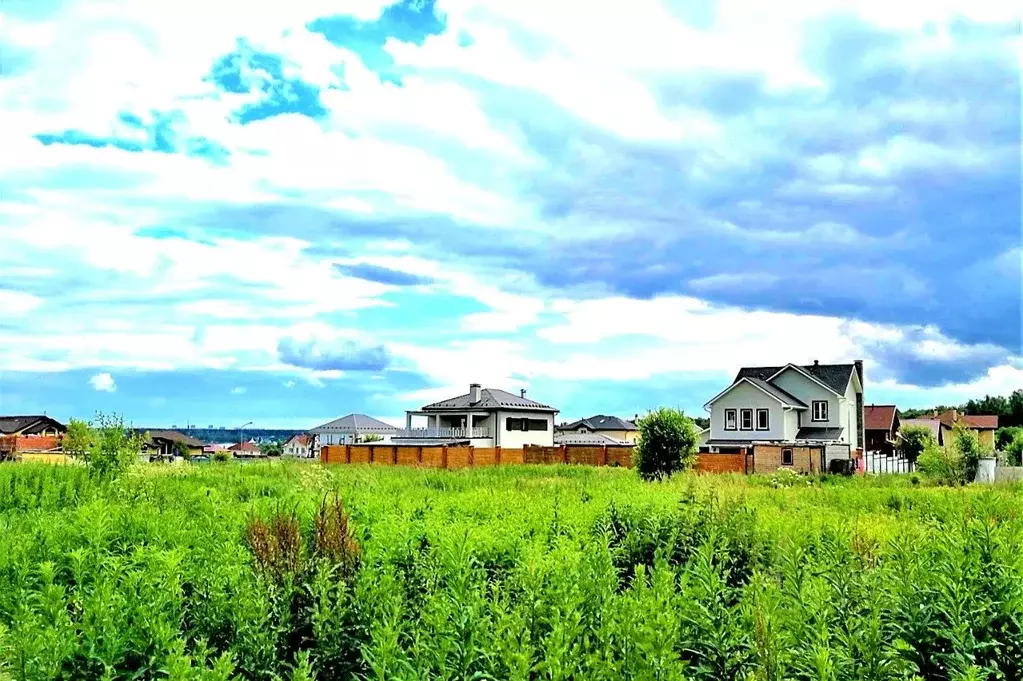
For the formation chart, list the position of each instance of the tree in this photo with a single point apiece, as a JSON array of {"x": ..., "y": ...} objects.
[
  {"x": 701, "y": 422},
  {"x": 1010, "y": 441},
  {"x": 913, "y": 440},
  {"x": 181, "y": 449},
  {"x": 966, "y": 443},
  {"x": 371, "y": 437},
  {"x": 667, "y": 443},
  {"x": 108, "y": 447},
  {"x": 271, "y": 449},
  {"x": 79, "y": 438}
]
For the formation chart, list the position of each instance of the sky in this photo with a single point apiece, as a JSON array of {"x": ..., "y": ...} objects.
[{"x": 223, "y": 212}]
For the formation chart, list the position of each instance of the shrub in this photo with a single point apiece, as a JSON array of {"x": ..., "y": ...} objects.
[
  {"x": 667, "y": 444},
  {"x": 221, "y": 456},
  {"x": 913, "y": 440}
]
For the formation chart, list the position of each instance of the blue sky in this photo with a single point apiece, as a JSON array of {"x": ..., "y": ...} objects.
[{"x": 288, "y": 215}]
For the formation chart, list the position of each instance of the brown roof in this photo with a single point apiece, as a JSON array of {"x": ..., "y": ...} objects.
[
  {"x": 244, "y": 447},
  {"x": 174, "y": 436},
  {"x": 976, "y": 421},
  {"x": 933, "y": 424},
  {"x": 878, "y": 416},
  {"x": 300, "y": 439}
]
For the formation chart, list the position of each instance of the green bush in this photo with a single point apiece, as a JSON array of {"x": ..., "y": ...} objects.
[
  {"x": 914, "y": 440},
  {"x": 667, "y": 444}
]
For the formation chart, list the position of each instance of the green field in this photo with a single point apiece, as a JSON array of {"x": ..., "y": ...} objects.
[{"x": 227, "y": 571}]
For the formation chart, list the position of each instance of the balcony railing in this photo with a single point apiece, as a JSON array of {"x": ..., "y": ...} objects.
[{"x": 428, "y": 433}]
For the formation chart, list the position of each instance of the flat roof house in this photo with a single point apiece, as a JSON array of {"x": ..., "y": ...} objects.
[
  {"x": 798, "y": 416},
  {"x": 483, "y": 417}
]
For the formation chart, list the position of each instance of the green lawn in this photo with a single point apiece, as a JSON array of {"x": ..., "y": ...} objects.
[{"x": 227, "y": 571}]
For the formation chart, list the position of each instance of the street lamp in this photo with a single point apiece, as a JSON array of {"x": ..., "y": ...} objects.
[{"x": 241, "y": 449}]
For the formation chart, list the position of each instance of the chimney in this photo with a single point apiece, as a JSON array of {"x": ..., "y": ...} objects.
[
  {"x": 522, "y": 393},
  {"x": 816, "y": 362},
  {"x": 474, "y": 393},
  {"x": 955, "y": 414}
]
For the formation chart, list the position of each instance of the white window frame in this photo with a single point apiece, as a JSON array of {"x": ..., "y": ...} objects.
[
  {"x": 735, "y": 419},
  {"x": 792, "y": 460},
  {"x": 742, "y": 419},
  {"x": 767, "y": 419},
  {"x": 814, "y": 415}
]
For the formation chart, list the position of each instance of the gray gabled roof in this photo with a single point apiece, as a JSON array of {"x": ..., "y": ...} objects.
[
  {"x": 595, "y": 439},
  {"x": 490, "y": 398},
  {"x": 354, "y": 423},
  {"x": 835, "y": 376},
  {"x": 600, "y": 422}
]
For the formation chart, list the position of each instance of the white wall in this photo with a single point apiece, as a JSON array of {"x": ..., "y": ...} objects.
[
  {"x": 808, "y": 391},
  {"x": 849, "y": 407},
  {"x": 792, "y": 424},
  {"x": 746, "y": 396},
  {"x": 516, "y": 439}
]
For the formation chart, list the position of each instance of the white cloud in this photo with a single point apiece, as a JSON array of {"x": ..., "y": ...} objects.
[
  {"x": 103, "y": 382},
  {"x": 238, "y": 390}
]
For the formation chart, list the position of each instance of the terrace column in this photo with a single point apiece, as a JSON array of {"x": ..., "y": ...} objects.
[{"x": 408, "y": 420}]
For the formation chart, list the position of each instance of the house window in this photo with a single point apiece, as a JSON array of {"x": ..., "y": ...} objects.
[
  {"x": 763, "y": 419},
  {"x": 746, "y": 416},
  {"x": 786, "y": 457},
  {"x": 729, "y": 419},
  {"x": 515, "y": 424},
  {"x": 820, "y": 410},
  {"x": 536, "y": 424}
]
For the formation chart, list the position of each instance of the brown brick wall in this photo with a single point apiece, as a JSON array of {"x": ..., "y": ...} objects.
[
  {"x": 459, "y": 457},
  {"x": 619, "y": 456},
  {"x": 462, "y": 457},
  {"x": 767, "y": 459},
  {"x": 721, "y": 463}
]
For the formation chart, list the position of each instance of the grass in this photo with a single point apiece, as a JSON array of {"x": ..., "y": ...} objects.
[{"x": 295, "y": 571}]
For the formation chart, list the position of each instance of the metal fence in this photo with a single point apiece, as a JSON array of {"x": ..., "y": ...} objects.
[{"x": 879, "y": 463}]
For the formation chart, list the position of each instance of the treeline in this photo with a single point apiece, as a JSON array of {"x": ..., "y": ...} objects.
[{"x": 1009, "y": 410}]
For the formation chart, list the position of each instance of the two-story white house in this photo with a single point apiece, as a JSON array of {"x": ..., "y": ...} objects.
[
  {"x": 791, "y": 415},
  {"x": 483, "y": 417}
]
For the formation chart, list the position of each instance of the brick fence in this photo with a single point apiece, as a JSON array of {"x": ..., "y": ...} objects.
[
  {"x": 464, "y": 457},
  {"x": 722, "y": 463},
  {"x": 9, "y": 444}
]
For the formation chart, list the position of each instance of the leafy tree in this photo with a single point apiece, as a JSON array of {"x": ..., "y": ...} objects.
[
  {"x": 271, "y": 449},
  {"x": 108, "y": 447},
  {"x": 79, "y": 438},
  {"x": 221, "y": 456},
  {"x": 913, "y": 440},
  {"x": 1010, "y": 441},
  {"x": 966, "y": 443},
  {"x": 182, "y": 450},
  {"x": 701, "y": 422},
  {"x": 667, "y": 443}
]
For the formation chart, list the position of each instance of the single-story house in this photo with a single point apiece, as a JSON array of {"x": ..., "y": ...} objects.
[
  {"x": 610, "y": 426},
  {"x": 350, "y": 430},
  {"x": 166, "y": 444},
  {"x": 483, "y": 417},
  {"x": 983, "y": 425},
  {"x": 245, "y": 449},
  {"x": 881, "y": 426}
]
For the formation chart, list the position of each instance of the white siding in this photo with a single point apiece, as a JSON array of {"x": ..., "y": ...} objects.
[
  {"x": 808, "y": 391},
  {"x": 849, "y": 407},
  {"x": 791, "y": 424},
  {"x": 515, "y": 439},
  {"x": 746, "y": 396}
]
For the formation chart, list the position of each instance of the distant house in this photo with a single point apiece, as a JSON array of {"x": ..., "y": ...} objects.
[
  {"x": 483, "y": 417},
  {"x": 881, "y": 427},
  {"x": 245, "y": 449},
  {"x": 608, "y": 426},
  {"x": 594, "y": 439},
  {"x": 352, "y": 429},
  {"x": 36, "y": 433},
  {"x": 38, "y": 425},
  {"x": 983, "y": 425},
  {"x": 790, "y": 416},
  {"x": 933, "y": 425},
  {"x": 166, "y": 444},
  {"x": 300, "y": 446}
]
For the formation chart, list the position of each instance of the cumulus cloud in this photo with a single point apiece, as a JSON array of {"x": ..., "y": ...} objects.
[
  {"x": 570, "y": 199},
  {"x": 103, "y": 382}
]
